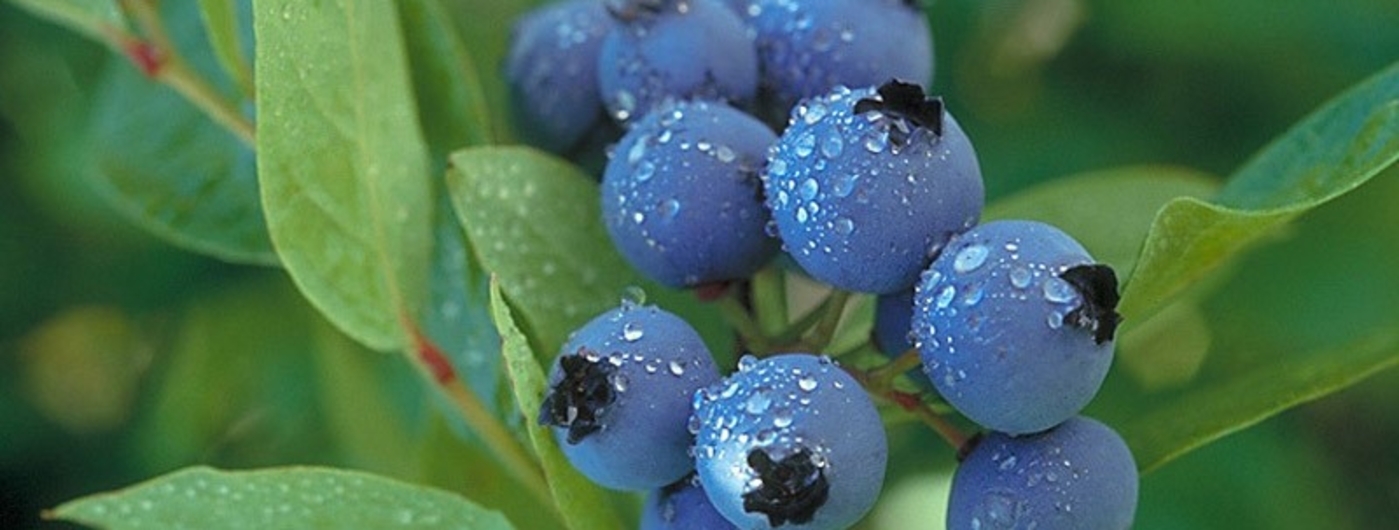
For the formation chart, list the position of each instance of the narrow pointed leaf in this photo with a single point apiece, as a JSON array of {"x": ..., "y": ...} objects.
[
  {"x": 343, "y": 167},
  {"x": 584, "y": 505}
]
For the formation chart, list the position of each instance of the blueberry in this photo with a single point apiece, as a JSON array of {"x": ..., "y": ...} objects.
[
  {"x": 619, "y": 397},
  {"x": 808, "y": 47},
  {"x": 552, "y": 72},
  {"x": 682, "y": 49},
  {"x": 681, "y": 197},
  {"x": 682, "y": 506},
  {"x": 791, "y": 441},
  {"x": 1014, "y": 322},
  {"x": 893, "y": 322},
  {"x": 865, "y": 185},
  {"x": 1077, "y": 475}
]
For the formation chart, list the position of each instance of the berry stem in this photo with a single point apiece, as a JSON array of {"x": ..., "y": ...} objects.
[
  {"x": 831, "y": 311},
  {"x": 770, "y": 300},
  {"x": 158, "y": 58},
  {"x": 877, "y": 383},
  {"x": 741, "y": 319},
  {"x": 883, "y": 375}
]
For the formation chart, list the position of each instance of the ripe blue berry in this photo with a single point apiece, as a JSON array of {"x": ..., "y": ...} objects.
[
  {"x": 1077, "y": 475},
  {"x": 681, "y": 197},
  {"x": 791, "y": 441},
  {"x": 619, "y": 396},
  {"x": 865, "y": 185},
  {"x": 808, "y": 47},
  {"x": 682, "y": 506},
  {"x": 683, "y": 49},
  {"x": 1014, "y": 323},
  {"x": 552, "y": 72},
  {"x": 893, "y": 322}
]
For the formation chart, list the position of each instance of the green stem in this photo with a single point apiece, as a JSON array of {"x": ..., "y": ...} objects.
[
  {"x": 737, "y": 316},
  {"x": 159, "y": 58},
  {"x": 832, "y": 309},
  {"x": 770, "y": 299},
  {"x": 517, "y": 462},
  {"x": 885, "y": 374}
]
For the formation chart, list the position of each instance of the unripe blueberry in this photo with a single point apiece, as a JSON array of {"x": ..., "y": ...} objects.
[
  {"x": 620, "y": 393},
  {"x": 1014, "y": 322},
  {"x": 790, "y": 442},
  {"x": 864, "y": 186},
  {"x": 681, "y": 49},
  {"x": 681, "y": 197},
  {"x": 1078, "y": 475}
]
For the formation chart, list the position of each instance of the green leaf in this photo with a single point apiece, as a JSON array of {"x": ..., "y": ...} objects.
[
  {"x": 295, "y": 497},
  {"x": 1333, "y": 151},
  {"x": 93, "y": 18},
  {"x": 343, "y": 167},
  {"x": 1208, "y": 413},
  {"x": 1108, "y": 211},
  {"x": 221, "y": 24},
  {"x": 536, "y": 225},
  {"x": 202, "y": 196},
  {"x": 583, "y": 504},
  {"x": 445, "y": 78}
]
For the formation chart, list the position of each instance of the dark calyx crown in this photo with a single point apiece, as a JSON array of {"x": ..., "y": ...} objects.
[
  {"x": 579, "y": 400},
  {"x": 907, "y": 107},
  {"x": 793, "y": 488},
  {"x": 1097, "y": 285},
  {"x": 631, "y": 10}
]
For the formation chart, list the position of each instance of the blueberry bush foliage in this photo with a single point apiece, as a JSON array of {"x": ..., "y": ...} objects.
[{"x": 284, "y": 264}]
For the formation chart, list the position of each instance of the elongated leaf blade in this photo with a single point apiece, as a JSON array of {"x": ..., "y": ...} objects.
[
  {"x": 290, "y": 498},
  {"x": 583, "y": 504},
  {"x": 343, "y": 167},
  {"x": 1332, "y": 152},
  {"x": 1208, "y": 413},
  {"x": 93, "y": 18}
]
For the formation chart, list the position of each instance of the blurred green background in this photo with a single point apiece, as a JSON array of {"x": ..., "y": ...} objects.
[{"x": 122, "y": 357}]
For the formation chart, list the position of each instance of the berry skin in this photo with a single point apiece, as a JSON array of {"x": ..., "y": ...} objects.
[
  {"x": 681, "y": 197},
  {"x": 893, "y": 323},
  {"x": 1014, "y": 324},
  {"x": 682, "y": 49},
  {"x": 552, "y": 72},
  {"x": 789, "y": 442},
  {"x": 866, "y": 185},
  {"x": 808, "y": 47},
  {"x": 619, "y": 397},
  {"x": 682, "y": 506},
  {"x": 1077, "y": 475}
]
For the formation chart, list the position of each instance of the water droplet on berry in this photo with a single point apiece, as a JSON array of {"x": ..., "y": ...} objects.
[
  {"x": 945, "y": 296},
  {"x": 813, "y": 112},
  {"x": 620, "y": 382},
  {"x": 676, "y": 368},
  {"x": 632, "y": 332},
  {"x": 725, "y": 154},
  {"x": 970, "y": 259},
  {"x": 1055, "y": 320},
  {"x": 758, "y": 402},
  {"x": 1020, "y": 277},
  {"x": 844, "y": 184},
  {"x": 633, "y": 296},
  {"x": 777, "y": 167},
  {"x": 1058, "y": 291},
  {"x": 637, "y": 151},
  {"x": 782, "y": 418},
  {"x": 973, "y": 295},
  {"x": 746, "y": 363},
  {"x": 843, "y": 226},
  {"x": 806, "y": 144},
  {"x": 668, "y": 209},
  {"x": 645, "y": 171},
  {"x": 832, "y": 145},
  {"x": 807, "y": 383}
]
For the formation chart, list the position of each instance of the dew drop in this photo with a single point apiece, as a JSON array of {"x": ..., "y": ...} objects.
[
  {"x": 620, "y": 382},
  {"x": 676, "y": 368},
  {"x": 805, "y": 145},
  {"x": 973, "y": 295},
  {"x": 777, "y": 167},
  {"x": 632, "y": 332},
  {"x": 645, "y": 171},
  {"x": 1055, "y": 320},
  {"x": 633, "y": 296},
  {"x": 782, "y": 418},
  {"x": 832, "y": 145},
  {"x": 807, "y": 383},
  {"x": 668, "y": 209},
  {"x": 945, "y": 296},
  {"x": 970, "y": 259},
  {"x": 746, "y": 363},
  {"x": 809, "y": 188},
  {"x": 1058, "y": 291},
  {"x": 1020, "y": 277},
  {"x": 844, "y": 184},
  {"x": 843, "y": 226},
  {"x": 758, "y": 402}
]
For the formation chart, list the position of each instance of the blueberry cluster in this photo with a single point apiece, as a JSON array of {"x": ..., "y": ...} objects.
[
  {"x": 870, "y": 186},
  {"x": 790, "y": 441}
]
